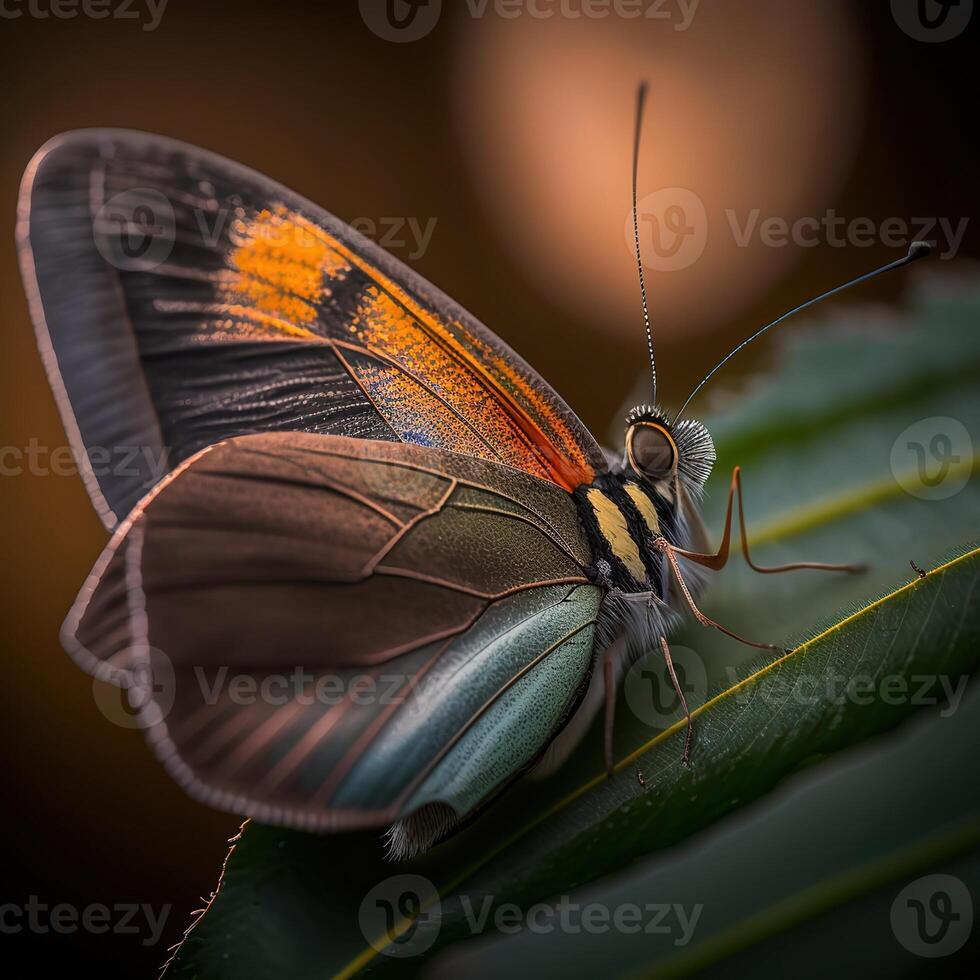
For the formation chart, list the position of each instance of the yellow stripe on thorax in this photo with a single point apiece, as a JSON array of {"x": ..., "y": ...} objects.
[
  {"x": 645, "y": 506},
  {"x": 612, "y": 524}
]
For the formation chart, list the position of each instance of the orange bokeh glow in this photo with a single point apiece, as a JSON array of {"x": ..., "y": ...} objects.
[{"x": 752, "y": 109}]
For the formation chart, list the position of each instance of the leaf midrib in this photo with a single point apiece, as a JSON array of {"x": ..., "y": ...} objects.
[{"x": 852, "y": 501}]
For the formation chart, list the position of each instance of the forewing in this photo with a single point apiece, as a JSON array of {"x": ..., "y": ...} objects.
[
  {"x": 330, "y": 632},
  {"x": 181, "y": 299}
]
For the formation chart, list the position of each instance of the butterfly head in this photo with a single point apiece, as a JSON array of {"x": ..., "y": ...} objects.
[{"x": 659, "y": 450}]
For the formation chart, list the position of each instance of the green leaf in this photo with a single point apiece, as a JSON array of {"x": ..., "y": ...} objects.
[
  {"x": 808, "y": 876},
  {"x": 816, "y": 443},
  {"x": 822, "y": 482}
]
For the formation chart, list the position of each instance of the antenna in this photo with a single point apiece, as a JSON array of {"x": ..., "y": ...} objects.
[
  {"x": 917, "y": 250},
  {"x": 640, "y": 99}
]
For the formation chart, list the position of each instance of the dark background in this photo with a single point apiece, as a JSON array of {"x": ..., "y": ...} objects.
[{"x": 368, "y": 128}]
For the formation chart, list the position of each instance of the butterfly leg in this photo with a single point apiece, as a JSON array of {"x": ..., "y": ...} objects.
[
  {"x": 720, "y": 558},
  {"x": 678, "y": 690},
  {"x": 661, "y": 544}
]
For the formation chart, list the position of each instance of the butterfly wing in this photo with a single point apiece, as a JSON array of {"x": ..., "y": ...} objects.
[
  {"x": 339, "y": 632},
  {"x": 181, "y": 299}
]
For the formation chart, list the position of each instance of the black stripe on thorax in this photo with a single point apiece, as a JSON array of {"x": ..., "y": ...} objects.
[{"x": 612, "y": 487}]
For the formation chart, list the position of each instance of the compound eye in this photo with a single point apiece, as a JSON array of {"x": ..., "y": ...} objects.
[{"x": 651, "y": 451}]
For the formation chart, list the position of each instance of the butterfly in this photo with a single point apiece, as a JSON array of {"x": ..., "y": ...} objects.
[{"x": 366, "y": 567}]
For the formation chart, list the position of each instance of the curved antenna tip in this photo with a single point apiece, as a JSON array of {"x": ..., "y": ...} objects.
[
  {"x": 640, "y": 99},
  {"x": 917, "y": 250}
]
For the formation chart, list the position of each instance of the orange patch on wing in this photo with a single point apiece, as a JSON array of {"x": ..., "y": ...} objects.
[
  {"x": 411, "y": 409},
  {"x": 460, "y": 392},
  {"x": 280, "y": 266},
  {"x": 435, "y": 398},
  {"x": 531, "y": 420}
]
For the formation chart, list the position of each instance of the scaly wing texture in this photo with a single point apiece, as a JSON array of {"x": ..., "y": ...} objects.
[
  {"x": 181, "y": 299},
  {"x": 329, "y": 632}
]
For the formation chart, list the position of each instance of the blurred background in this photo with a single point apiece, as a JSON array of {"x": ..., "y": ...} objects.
[{"x": 492, "y": 153}]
